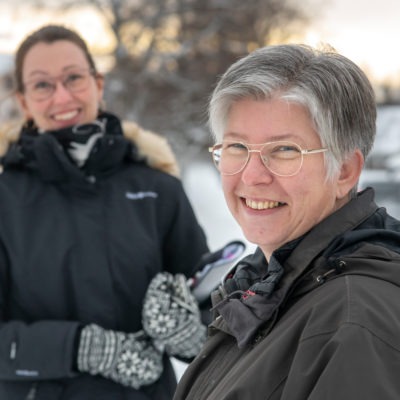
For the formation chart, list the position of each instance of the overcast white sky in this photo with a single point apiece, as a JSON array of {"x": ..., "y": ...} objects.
[{"x": 367, "y": 31}]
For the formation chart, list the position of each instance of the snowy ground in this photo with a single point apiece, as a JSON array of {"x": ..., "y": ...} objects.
[{"x": 202, "y": 184}]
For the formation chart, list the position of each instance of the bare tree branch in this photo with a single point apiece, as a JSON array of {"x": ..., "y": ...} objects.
[{"x": 170, "y": 52}]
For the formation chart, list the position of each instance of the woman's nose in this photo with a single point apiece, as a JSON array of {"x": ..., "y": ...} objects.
[
  {"x": 255, "y": 172},
  {"x": 61, "y": 92}
]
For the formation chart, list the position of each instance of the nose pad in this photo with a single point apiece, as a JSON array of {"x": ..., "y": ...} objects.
[
  {"x": 255, "y": 170},
  {"x": 60, "y": 91},
  {"x": 264, "y": 161}
]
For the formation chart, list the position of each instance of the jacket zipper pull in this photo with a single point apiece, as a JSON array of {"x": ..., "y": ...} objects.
[
  {"x": 13, "y": 351},
  {"x": 32, "y": 392},
  {"x": 338, "y": 266}
]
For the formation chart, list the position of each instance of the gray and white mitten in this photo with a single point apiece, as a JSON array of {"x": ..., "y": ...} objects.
[
  {"x": 171, "y": 316},
  {"x": 127, "y": 358}
]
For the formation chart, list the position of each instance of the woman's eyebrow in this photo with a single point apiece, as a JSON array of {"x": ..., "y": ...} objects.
[{"x": 274, "y": 138}]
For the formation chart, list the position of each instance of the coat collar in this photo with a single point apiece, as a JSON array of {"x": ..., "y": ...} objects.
[
  {"x": 318, "y": 239},
  {"x": 152, "y": 147},
  {"x": 47, "y": 154}
]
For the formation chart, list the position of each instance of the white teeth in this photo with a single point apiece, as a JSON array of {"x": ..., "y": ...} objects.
[
  {"x": 262, "y": 205},
  {"x": 65, "y": 116}
]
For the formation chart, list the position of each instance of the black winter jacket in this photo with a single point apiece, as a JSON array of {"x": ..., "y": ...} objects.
[
  {"x": 79, "y": 247},
  {"x": 333, "y": 325}
]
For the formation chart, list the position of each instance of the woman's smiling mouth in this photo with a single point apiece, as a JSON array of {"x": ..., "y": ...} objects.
[
  {"x": 262, "y": 205},
  {"x": 66, "y": 116}
]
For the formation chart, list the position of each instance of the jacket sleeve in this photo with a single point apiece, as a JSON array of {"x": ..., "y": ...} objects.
[
  {"x": 40, "y": 350},
  {"x": 184, "y": 241},
  {"x": 352, "y": 363}
]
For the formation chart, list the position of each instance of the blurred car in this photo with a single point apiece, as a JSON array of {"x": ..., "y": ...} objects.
[{"x": 382, "y": 167}]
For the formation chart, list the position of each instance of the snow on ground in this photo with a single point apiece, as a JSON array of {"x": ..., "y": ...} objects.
[{"x": 203, "y": 187}]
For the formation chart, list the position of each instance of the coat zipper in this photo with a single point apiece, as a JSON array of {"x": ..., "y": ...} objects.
[{"x": 32, "y": 392}]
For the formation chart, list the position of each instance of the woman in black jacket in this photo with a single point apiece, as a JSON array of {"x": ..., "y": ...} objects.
[{"x": 91, "y": 212}]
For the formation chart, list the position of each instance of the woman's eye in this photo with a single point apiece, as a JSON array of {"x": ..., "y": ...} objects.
[
  {"x": 42, "y": 85},
  {"x": 73, "y": 77},
  {"x": 285, "y": 152},
  {"x": 235, "y": 146},
  {"x": 285, "y": 149}
]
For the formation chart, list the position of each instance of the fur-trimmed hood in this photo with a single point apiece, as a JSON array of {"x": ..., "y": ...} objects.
[{"x": 152, "y": 146}]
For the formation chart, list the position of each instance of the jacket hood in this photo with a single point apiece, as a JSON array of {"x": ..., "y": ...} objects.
[{"x": 151, "y": 146}]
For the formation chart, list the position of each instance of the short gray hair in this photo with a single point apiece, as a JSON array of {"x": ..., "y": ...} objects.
[{"x": 335, "y": 91}]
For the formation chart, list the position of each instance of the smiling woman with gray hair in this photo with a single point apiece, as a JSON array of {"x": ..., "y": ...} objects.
[{"x": 314, "y": 312}]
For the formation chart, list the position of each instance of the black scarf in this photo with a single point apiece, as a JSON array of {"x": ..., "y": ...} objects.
[
  {"x": 252, "y": 294},
  {"x": 79, "y": 140},
  {"x": 41, "y": 150}
]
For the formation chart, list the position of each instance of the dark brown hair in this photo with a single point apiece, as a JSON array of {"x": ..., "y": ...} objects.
[{"x": 47, "y": 34}]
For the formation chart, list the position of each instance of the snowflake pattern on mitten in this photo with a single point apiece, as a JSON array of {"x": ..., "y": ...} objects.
[{"x": 171, "y": 316}]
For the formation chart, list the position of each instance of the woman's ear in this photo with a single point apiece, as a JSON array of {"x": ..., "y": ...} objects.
[
  {"x": 349, "y": 174},
  {"x": 100, "y": 86},
  {"x": 23, "y": 106}
]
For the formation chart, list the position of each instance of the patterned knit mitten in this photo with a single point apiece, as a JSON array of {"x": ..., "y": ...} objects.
[
  {"x": 171, "y": 316},
  {"x": 127, "y": 358}
]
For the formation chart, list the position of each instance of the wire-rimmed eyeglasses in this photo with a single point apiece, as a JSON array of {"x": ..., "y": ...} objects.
[
  {"x": 282, "y": 158},
  {"x": 43, "y": 87}
]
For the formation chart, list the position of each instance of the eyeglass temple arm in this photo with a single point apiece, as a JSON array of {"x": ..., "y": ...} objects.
[{"x": 313, "y": 151}]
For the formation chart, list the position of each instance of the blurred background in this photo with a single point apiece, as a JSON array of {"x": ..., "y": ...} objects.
[{"x": 161, "y": 59}]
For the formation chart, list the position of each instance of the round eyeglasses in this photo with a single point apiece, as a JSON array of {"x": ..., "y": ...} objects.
[
  {"x": 43, "y": 87},
  {"x": 281, "y": 158}
]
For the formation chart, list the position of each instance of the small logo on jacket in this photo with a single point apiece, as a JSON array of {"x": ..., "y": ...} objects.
[{"x": 140, "y": 195}]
